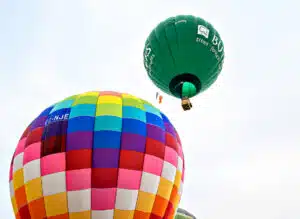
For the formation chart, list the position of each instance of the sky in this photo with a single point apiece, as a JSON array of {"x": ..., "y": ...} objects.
[{"x": 241, "y": 139}]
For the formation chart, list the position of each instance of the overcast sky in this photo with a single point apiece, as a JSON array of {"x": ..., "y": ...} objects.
[{"x": 241, "y": 140}]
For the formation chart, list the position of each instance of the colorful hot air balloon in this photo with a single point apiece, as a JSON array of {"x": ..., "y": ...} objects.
[
  {"x": 183, "y": 56},
  {"x": 184, "y": 214},
  {"x": 99, "y": 155}
]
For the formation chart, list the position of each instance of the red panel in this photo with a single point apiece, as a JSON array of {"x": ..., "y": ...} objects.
[
  {"x": 34, "y": 136},
  {"x": 79, "y": 159},
  {"x": 104, "y": 177},
  {"x": 155, "y": 148},
  {"x": 171, "y": 142},
  {"x": 132, "y": 160}
]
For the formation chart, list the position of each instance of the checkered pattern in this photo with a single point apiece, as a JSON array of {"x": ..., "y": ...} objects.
[{"x": 99, "y": 155}]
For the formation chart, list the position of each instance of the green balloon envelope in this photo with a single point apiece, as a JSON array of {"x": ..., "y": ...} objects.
[{"x": 184, "y": 55}]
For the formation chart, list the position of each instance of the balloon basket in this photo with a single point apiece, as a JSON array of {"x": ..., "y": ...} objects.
[{"x": 186, "y": 104}]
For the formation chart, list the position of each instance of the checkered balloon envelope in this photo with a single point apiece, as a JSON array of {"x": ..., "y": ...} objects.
[{"x": 99, "y": 155}]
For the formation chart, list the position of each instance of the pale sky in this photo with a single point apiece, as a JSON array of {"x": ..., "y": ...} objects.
[{"x": 241, "y": 140}]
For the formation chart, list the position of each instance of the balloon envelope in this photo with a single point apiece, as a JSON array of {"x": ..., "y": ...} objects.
[
  {"x": 184, "y": 214},
  {"x": 183, "y": 55},
  {"x": 99, "y": 155}
]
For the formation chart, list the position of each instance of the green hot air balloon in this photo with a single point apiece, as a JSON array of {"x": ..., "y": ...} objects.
[
  {"x": 183, "y": 56},
  {"x": 184, "y": 214}
]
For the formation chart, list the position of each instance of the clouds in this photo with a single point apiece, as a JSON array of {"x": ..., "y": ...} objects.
[{"x": 241, "y": 138}]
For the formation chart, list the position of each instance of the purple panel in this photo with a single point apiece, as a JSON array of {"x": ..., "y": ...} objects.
[
  {"x": 106, "y": 158},
  {"x": 170, "y": 129},
  {"x": 133, "y": 142},
  {"x": 156, "y": 133},
  {"x": 79, "y": 140},
  {"x": 38, "y": 122}
]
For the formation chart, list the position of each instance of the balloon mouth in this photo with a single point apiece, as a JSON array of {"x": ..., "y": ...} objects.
[{"x": 185, "y": 86}]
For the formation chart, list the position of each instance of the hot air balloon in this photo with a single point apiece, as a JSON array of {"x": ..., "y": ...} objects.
[
  {"x": 184, "y": 214},
  {"x": 183, "y": 56},
  {"x": 99, "y": 155}
]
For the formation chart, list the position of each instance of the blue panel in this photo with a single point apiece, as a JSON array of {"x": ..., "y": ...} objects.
[
  {"x": 155, "y": 120},
  {"x": 82, "y": 123},
  {"x": 46, "y": 111},
  {"x": 164, "y": 118},
  {"x": 107, "y": 139},
  {"x": 134, "y": 126}
]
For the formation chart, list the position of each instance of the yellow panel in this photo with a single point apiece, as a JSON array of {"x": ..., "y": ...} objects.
[
  {"x": 109, "y": 99},
  {"x": 88, "y": 99},
  {"x": 145, "y": 202},
  {"x": 18, "y": 179},
  {"x": 177, "y": 179},
  {"x": 80, "y": 215},
  {"x": 123, "y": 214},
  {"x": 176, "y": 201},
  {"x": 137, "y": 103},
  {"x": 90, "y": 93},
  {"x": 14, "y": 205},
  {"x": 165, "y": 188},
  {"x": 129, "y": 96},
  {"x": 34, "y": 189},
  {"x": 109, "y": 109},
  {"x": 56, "y": 204}
]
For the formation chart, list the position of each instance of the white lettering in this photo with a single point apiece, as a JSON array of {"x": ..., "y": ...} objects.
[
  {"x": 204, "y": 31},
  {"x": 148, "y": 59},
  {"x": 57, "y": 118},
  {"x": 221, "y": 65},
  {"x": 200, "y": 40},
  {"x": 181, "y": 21},
  {"x": 215, "y": 52},
  {"x": 66, "y": 116},
  {"x": 215, "y": 41}
]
